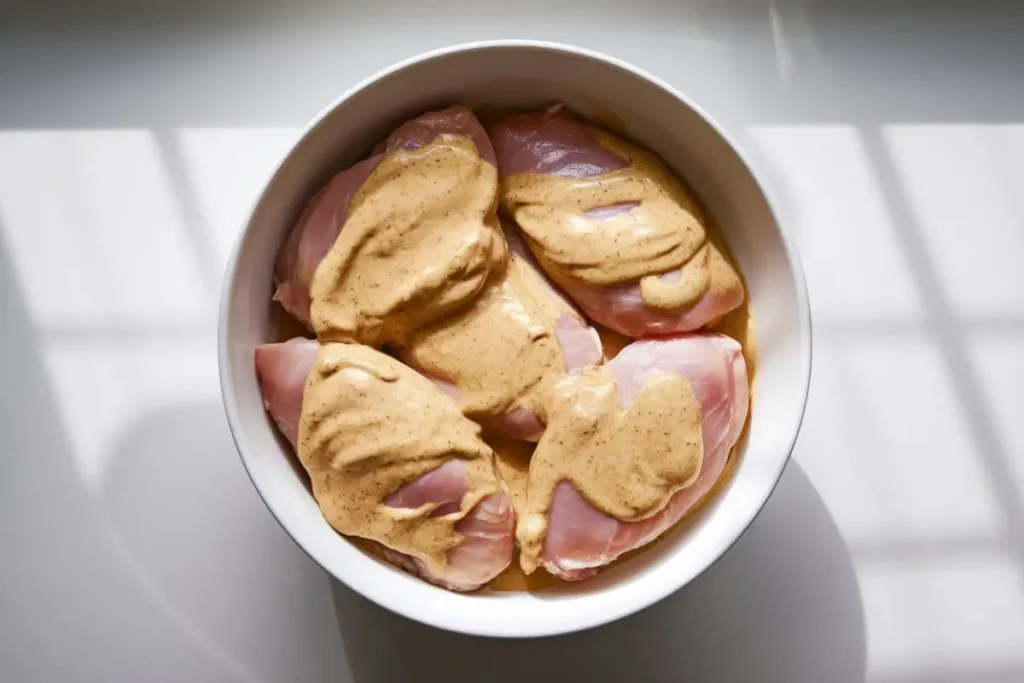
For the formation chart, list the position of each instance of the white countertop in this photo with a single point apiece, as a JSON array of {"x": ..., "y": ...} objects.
[{"x": 133, "y": 138}]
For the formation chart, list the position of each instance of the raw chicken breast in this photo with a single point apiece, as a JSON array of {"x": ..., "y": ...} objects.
[
  {"x": 282, "y": 370},
  {"x": 488, "y": 529},
  {"x": 580, "y": 538},
  {"x": 578, "y": 341},
  {"x": 622, "y": 309},
  {"x": 581, "y": 345},
  {"x": 557, "y": 143},
  {"x": 317, "y": 229}
]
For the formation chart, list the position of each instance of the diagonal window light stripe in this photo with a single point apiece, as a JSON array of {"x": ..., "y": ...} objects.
[
  {"x": 100, "y": 386},
  {"x": 888, "y": 446},
  {"x": 95, "y": 231},
  {"x": 962, "y": 182},
  {"x": 831, "y": 202},
  {"x": 226, "y": 169},
  {"x": 999, "y": 363},
  {"x": 950, "y": 338}
]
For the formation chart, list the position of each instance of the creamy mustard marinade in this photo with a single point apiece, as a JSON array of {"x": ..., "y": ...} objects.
[
  {"x": 648, "y": 226},
  {"x": 371, "y": 424},
  {"x": 421, "y": 266}
]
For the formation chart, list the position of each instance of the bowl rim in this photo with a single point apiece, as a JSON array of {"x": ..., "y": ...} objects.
[{"x": 377, "y": 591}]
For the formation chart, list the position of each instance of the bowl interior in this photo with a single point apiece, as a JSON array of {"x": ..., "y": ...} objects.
[{"x": 517, "y": 74}]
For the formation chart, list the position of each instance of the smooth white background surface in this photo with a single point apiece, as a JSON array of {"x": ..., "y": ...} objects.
[{"x": 133, "y": 137}]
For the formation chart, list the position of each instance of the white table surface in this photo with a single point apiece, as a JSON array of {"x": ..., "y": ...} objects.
[{"x": 133, "y": 137}]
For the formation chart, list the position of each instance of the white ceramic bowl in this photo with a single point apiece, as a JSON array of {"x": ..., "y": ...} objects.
[{"x": 523, "y": 73}]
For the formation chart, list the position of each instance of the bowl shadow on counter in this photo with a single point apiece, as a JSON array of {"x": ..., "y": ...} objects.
[
  {"x": 782, "y": 605},
  {"x": 185, "y": 519}
]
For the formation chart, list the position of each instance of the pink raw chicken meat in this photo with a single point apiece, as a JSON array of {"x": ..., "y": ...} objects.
[
  {"x": 556, "y": 143},
  {"x": 581, "y": 346},
  {"x": 489, "y": 528},
  {"x": 317, "y": 229},
  {"x": 580, "y": 343},
  {"x": 580, "y": 538}
]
